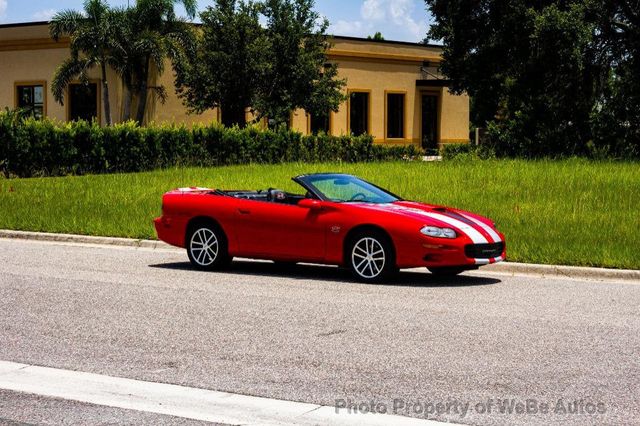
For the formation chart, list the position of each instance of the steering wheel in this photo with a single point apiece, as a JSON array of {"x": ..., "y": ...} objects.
[{"x": 359, "y": 194}]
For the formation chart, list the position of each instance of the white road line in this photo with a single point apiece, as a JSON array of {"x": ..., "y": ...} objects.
[{"x": 181, "y": 401}]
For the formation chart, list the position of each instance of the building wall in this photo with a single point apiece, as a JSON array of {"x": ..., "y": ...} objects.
[
  {"x": 378, "y": 78},
  {"x": 173, "y": 110},
  {"x": 454, "y": 124},
  {"x": 380, "y": 68},
  {"x": 30, "y": 66},
  {"x": 27, "y": 54}
]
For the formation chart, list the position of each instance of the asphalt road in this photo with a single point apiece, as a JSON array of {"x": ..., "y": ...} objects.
[
  {"x": 309, "y": 334},
  {"x": 19, "y": 409}
]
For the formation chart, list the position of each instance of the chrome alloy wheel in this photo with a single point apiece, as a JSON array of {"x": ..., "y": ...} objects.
[
  {"x": 204, "y": 246},
  {"x": 368, "y": 257}
]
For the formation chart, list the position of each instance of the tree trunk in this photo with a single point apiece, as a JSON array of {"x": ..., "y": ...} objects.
[
  {"x": 128, "y": 99},
  {"x": 144, "y": 91},
  {"x": 233, "y": 115},
  {"x": 105, "y": 95}
]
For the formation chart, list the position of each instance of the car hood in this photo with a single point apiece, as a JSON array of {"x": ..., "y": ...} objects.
[{"x": 479, "y": 229}]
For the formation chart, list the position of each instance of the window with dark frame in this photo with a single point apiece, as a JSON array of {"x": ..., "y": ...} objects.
[
  {"x": 83, "y": 101},
  {"x": 319, "y": 123},
  {"x": 359, "y": 113},
  {"x": 395, "y": 115},
  {"x": 30, "y": 99}
]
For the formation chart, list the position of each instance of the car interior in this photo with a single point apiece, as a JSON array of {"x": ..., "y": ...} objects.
[{"x": 271, "y": 195}]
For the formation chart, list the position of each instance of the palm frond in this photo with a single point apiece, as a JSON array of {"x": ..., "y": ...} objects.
[
  {"x": 71, "y": 69},
  {"x": 160, "y": 92},
  {"x": 96, "y": 10},
  {"x": 191, "y": 6},
  {"x": 66, "y": 22}
]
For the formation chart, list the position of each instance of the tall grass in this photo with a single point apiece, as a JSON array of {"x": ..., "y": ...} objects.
[{"x": 572, "y": 212}]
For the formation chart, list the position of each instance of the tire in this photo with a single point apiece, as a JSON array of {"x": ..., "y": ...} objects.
[
  {"x": 446, "y": 271},
  {"x": 371, "y": 257},
  {"x": 206, "y": 245}
]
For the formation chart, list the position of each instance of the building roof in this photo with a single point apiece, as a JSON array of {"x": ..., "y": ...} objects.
[
  {"x": 336, "y": 36},
  {"x": 24, "y": 24},
  {"x": 406, "y": 43}
]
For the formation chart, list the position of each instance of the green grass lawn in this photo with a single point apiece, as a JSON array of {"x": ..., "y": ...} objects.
[{"x": 570, "y": 212}]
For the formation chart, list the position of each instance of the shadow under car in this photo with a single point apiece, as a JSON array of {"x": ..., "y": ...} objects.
[{"x": 336, "y": 274}]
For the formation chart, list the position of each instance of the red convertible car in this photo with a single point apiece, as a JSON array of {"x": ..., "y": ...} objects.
[{"x": 339, "y": 219}]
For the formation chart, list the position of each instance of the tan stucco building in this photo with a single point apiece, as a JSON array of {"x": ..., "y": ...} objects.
[{"x": 395, "y": 91}]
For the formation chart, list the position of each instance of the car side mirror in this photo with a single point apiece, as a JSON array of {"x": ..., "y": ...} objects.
[{"x": 311, "y": 204}]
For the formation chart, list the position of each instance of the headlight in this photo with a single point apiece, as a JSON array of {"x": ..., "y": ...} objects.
[{"x": 434, "y": 231}]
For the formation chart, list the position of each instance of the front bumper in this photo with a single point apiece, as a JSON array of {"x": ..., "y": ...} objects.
[{"x": 449, "y": 253}]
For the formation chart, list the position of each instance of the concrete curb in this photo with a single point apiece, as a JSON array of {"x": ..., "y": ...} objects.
[
  {"x": 564, "y": 271},
  {"x": 82, "y": 239},
  {"x": 503, "y": 267}
]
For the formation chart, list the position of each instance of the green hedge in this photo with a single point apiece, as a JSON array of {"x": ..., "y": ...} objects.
[{"x": 31, "y": 147}]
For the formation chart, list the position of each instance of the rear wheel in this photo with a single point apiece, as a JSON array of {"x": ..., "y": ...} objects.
[
  {"x": 371, "y": 257},
  {"x": 207, "y": 246},
  {"x": 446, "y": 271}
]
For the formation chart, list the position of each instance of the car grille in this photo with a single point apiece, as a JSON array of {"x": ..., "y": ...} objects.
[{"x": 484, "y": 251}]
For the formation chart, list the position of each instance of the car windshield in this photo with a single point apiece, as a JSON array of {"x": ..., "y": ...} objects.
[{"x": 347, "y": 188}]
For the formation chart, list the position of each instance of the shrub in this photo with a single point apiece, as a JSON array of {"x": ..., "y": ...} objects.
[
  {"x": 31, "y": 147},
  {"x": 464, "y": 150},
  {"x": 453, "y": 150}
]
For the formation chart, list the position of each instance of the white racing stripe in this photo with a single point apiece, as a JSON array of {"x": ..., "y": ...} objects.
[
  {"x": 470, "y": 231},
  {"x": 193, "y": 189},
  {"x": 489, "y": 230},
  {"x": 181, "y": 401},
  {"x": 465, "y": 228}
]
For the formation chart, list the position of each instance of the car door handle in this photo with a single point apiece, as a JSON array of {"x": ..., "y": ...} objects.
[{"x": 244, "y": 211}]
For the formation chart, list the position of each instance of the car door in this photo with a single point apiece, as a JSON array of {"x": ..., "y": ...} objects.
[{"x": 282, "y": 231}]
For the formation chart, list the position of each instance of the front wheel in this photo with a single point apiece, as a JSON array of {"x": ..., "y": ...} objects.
[
  {"x": 371, "y": 257},
  {"x": 207, "y": 247}
]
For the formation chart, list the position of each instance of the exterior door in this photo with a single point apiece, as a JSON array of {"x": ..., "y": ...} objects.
[
  {"x": 429, "y": 122},
  {"x": 279, "y": 231},
  {"x": 83, "y": 101}
]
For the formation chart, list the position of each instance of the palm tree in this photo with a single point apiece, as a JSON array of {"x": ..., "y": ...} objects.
[
  {"x": 90, "y": 34},
  {"x": 124, "y": 55},
  {"x": 157, "y": 34}
]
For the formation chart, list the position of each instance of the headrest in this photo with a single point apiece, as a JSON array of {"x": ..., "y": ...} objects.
[{"x": 277, "y": 196}]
